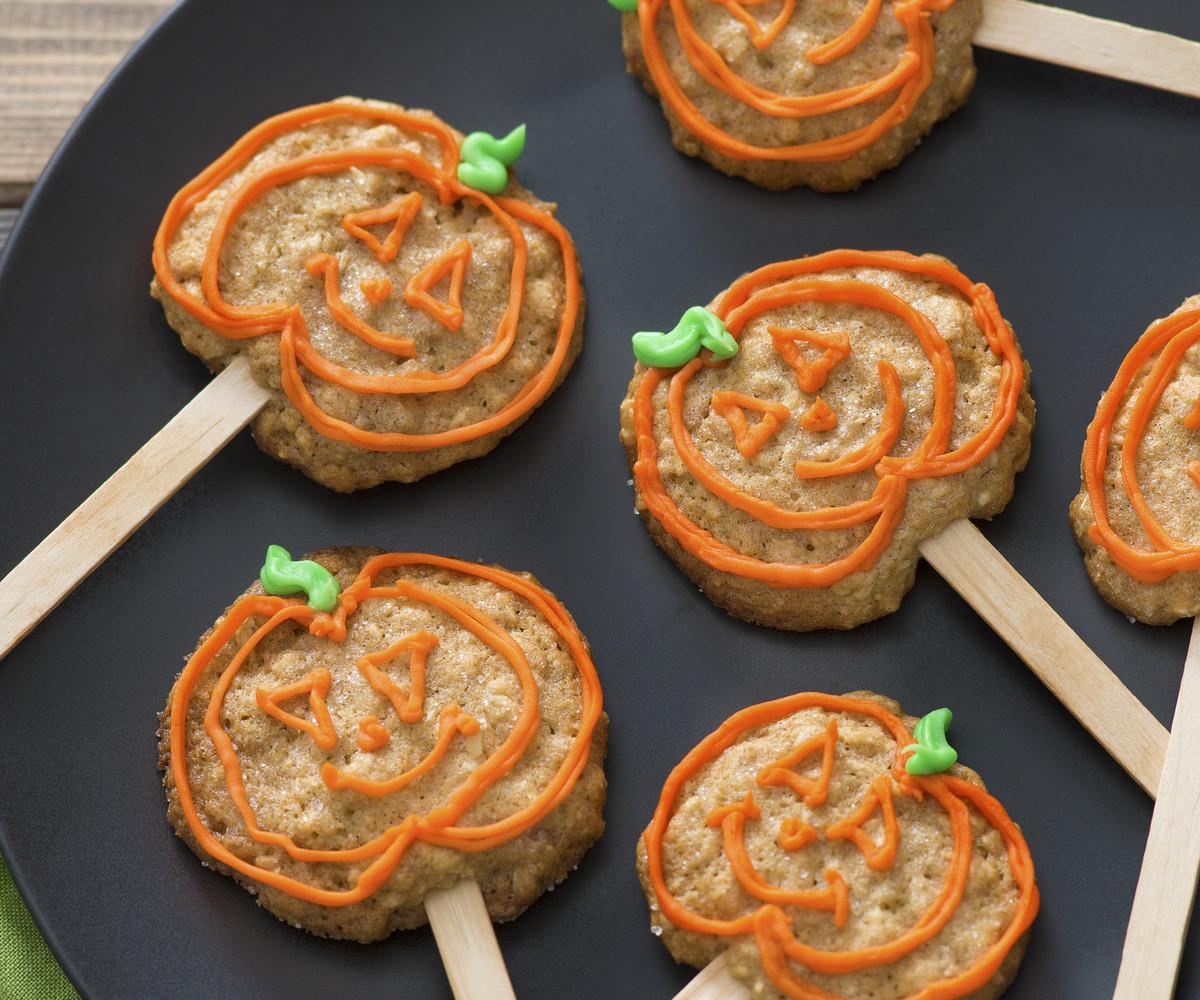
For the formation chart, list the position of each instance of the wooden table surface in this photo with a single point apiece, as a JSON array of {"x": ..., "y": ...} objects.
[{"x": 53, "y": 56}]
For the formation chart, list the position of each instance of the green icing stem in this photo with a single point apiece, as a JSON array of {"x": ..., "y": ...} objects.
[
  {"x": 932, "y": 754},
  {"x": 698, "y": 328},
  {"x": 485, "y": 159},
  {"x": 282, "y": 577},
  {"x": 624, "y": 5}
]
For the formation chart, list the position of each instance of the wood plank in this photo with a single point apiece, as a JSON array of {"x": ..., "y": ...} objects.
[{"x": 53, "y": 56}]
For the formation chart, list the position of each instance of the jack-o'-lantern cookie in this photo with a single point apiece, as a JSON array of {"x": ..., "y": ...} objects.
[
  {"x": 793, "y": 445},
  {"x": 1138, "y": 506},
  {"x": 419, "y": 721},
  {"x": 829, "y": 850},
  {"x": 788, "y": 92},
  {"x": 408, "y": 302}
]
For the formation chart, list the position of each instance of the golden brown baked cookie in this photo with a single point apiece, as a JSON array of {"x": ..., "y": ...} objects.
[
  {"x": 795, "y": 842},
  {"x": 443, "y": 723},
  {"x": 788, "y": 92},
  {"x": 873, "y": 399},
  {"x": 404, "y": 319},
  {"x": 1138, "y": 507}
]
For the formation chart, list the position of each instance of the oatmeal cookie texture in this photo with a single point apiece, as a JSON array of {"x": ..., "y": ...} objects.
[
  {"x": 404, "y": 318},
  {"x": 794, "y": 841},
  {"x": 443, "y": 723},
  {"x": 789, "y": 92},
  {"x": 874, "y": 398},
  {"x": 1138, "y": 505}
]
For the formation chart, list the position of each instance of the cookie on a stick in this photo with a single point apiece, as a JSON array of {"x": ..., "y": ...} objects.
[
  {"x": 825, "y": 846},
  {"x": 380, "y": 297},
  {"x": 798, "y": 446},
  {"x": 828, "y": 95},
  {"x": 419, "y": 735},
  {"x": 1135, "y": 518}
]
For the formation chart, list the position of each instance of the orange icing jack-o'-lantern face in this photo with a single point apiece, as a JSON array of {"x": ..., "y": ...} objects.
[
  {"x": 842, "y": 395},
  {"x": 1136, "y": 459},
  {"x": 904, "y": 82},
  {"x": 390, "y": 276},
  {"x": 796, "y": 825},
  {"x": 412, "y": 743}
]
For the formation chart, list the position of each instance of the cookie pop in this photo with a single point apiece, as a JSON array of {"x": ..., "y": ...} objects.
[
  {"x": 422, "y": 739},
  {"x": 825, "y": 846},
  {"x": 378, "y": 295},
  {"x": 1135, "y": 519},
  {"x": 789, "y": 92},
  {"x": 849, "y": 415}
]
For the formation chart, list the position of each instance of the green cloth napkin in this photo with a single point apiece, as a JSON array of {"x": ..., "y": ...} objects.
[{"x": 28, "y": 970}]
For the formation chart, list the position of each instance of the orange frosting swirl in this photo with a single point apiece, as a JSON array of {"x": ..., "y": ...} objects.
[
  {"x": 787, "y": 283},
  {"x": 1163, "y": 347},
  {"x": 908, "y": 79},
  {"x": 287, "y": 320},
  {"x": 440, "y": 826},
  {"x": 779, "y": 949}
]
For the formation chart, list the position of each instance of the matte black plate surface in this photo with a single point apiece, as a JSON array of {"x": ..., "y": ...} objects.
[{"x": 1074, "y": 197}]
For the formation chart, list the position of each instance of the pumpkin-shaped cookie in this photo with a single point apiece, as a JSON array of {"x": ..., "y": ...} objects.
[
  {"x": 787, "y": 92},
  {"x": 863, "y": 401},
  {"x": 1138, "y": 506},
  {"x": 797, "y": 842},
  {"x": 404, "y": 317},
  {"x": 441, "y": 721}
]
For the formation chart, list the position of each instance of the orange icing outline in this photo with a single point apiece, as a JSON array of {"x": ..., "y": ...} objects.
[
  {"x": 438, "y": 827},
  {"x": 779, "y": 285},
  {"x": 778, "y": 946},
  {"x": 295, "y": 349},
  {"x": 1172, "y": 337},
  {"x": 909, "y": 78}
]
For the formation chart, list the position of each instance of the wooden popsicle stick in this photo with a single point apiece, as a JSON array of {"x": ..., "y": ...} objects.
[
  {"x": 467, "y": 942},
  {"x": 89, "y": 535},
  {"x": 1062, "y": 661},
  {"x": 1162, "y": 904},
  {"x": 1109, "y": 48},
  {"x": 715, "y": 982}
]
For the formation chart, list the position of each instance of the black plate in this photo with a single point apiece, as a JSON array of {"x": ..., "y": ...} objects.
[{"x": 1074, "y": 197}]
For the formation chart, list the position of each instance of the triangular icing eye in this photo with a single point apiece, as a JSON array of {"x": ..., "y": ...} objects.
[
  {"x": 813, "y": 791},
  {"x": 878, "y": 798},
  {"x": 760, "y": 35},
  {"x": 811, "y": 375},
  {"x": 316, "y": 686},
  {"x": 400, "y": 213},
  {"x": 410, "y": 704},
  {"x": 749, "y": 440},
  {"x": 454, "y": 263}
]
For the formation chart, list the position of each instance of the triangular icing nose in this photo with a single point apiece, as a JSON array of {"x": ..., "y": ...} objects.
[
  {"x": 400, "y": 213},
  {"x": 749, "y": 440}
]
